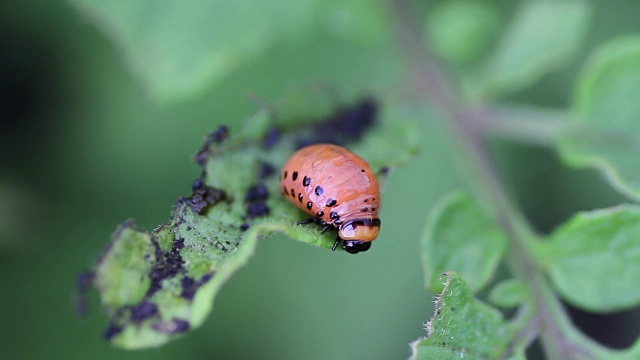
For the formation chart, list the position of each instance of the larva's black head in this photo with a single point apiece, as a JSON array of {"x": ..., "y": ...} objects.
[{"x": 355, "y": 246}]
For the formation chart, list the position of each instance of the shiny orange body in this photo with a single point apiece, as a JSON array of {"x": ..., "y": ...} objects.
[{"x": 336, "y": 187}]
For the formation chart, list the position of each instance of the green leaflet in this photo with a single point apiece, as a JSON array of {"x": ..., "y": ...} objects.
[
  {"x": 605, "y": 127},
  {"x": 460, "y": 237},
  {"x": 463, "y": 327},
  {"x": 509, "y": 293},
  {"x": 543, "y": 36},
  {"x": 594, "y": 259},
  {"x": 156, "y": 286}
]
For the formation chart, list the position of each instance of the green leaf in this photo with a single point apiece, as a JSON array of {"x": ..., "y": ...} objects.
[
  {"x": 460, "y": 237},
  {"x": 156, "y": 286},
  {"x": 461, "y": 30},
  {"x": 178, "y": 48},
  {"x": 362, "y": 21},
  {"x": 593, "y": 260},
  {"x": 606, "y": 129},
  {"x": 543, "y": 36},
  {"x": 463, "y": 327},
  {"x": 509, "y": 293}
]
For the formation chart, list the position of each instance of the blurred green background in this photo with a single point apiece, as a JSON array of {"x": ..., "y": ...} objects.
[{"x": 83, "y": 148}]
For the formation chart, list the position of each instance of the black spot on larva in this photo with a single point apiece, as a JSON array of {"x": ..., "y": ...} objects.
[
  {"x": 333, "y": 215},
  {"x": 320, "y": 213},
  {"x": 331, "y": 202},
  {"x": 309, "y": 205},
  {"x": 364, "y": 209},
  {"x": 143, "y": 311},
  {"x": 265, "y": 170},
  {"x": 373, "y": 209},
  {"x": 337, "y": 222},
  {"x": 294, "y": 177},
  {"x": 284, "y": 190},
  {"x": 300, "y": 197},
  {"x": 306, "y": 181},
  {"x": 285, "y": 175},
  {"x": 366, "y": 200},
  {"x": 362, "y": 170},
  {"x": 319, "y": 190},
  {"x": 293, "y": 193}
]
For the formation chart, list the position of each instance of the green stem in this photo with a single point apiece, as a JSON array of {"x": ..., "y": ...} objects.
[
  {"x": 560, "y": 338},
  {"x": 527, "y": 326},
  {"x": 526, "y": 124}
]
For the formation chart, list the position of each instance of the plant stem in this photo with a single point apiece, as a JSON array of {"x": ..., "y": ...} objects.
[
  {"x": 560, "y": 338},
  {"x": 526, "y": 124}
]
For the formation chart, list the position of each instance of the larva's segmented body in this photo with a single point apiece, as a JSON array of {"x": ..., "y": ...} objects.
[{"x": 337, "y": 188}]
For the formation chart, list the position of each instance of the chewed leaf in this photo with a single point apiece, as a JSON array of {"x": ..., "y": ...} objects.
[
  {"x": 158, "y": 285},
  {"x": 463, "y": 327},
  {"x": 605, "y": 132},
  {"x": 460, "y": 237},
  {"x": 588, "y": 251},
  {"x": 149, "y": 281}
]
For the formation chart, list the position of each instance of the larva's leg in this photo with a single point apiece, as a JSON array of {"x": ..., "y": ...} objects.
[
  {"x": 306, "y": 221},
  {"x": 335, "y": 245}
]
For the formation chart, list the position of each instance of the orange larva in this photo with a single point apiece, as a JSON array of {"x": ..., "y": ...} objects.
[{"x": 337, "y": 188}]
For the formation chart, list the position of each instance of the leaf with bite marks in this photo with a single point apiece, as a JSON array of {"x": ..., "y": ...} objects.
[
  {"x": 156, "y": 286},
  {"x": 463, "y": 327}
]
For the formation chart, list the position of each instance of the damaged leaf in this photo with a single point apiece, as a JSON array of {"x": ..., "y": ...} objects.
[
  {"x": 156, "y": 286},
  {"x": 463, "y": 327}
]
